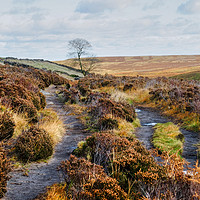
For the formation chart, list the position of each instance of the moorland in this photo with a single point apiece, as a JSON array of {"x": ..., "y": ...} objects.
[
  {"x": 150, "y": 66},
  {"x": 111, "y": 163}
]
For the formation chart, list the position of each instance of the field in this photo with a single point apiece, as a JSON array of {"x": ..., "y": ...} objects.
[
  {"x": 151, "y": 66},
  {"x": 65, "y": 71}
]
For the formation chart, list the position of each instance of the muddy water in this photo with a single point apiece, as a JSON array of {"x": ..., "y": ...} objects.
[
  {"x": 148, "y": 118},
  {"x": 41, "y": 175}
]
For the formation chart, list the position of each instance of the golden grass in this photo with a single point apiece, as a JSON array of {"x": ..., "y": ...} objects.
[
  {"x": 55, "y": 192},
  {"x": 52, "y": 125},
  {"x": 126, "y": 129},
  {"x": 119, "y": 96},
  {"x": 55, "y": 129},
  {"x": 21, "y": 123},
  {"x": 130, "y": 96},
  {"x": 139, "y": 95},
  {"x": 151, "y": 66}
]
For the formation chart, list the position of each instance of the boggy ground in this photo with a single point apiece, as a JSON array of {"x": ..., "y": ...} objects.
[
  {"x": 149, "y": 117},
  {"x": 26, "y": 183}
]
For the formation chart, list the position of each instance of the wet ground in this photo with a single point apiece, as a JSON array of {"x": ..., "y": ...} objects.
[
  {"x": 149, "y": 118},
  {"x": 41, "y": 175}
]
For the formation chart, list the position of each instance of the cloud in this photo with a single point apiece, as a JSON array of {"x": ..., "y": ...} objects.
[
  {"x": 23, "y": 1},
  {"x": 155, "y": 5},
  {"x": 99, "y": 6},
  {"x": 28, "y": 10},
  {"x": 91, "y": 7},
  {"x": 190, "y": 7}
]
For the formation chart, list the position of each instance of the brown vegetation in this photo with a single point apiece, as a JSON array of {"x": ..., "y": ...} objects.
[
  {"x": 151, "y": 66},
  {"x": 21, "y": 105},
  {"x": 4, "y": 170},
  {"x": 33, "y": 144}
]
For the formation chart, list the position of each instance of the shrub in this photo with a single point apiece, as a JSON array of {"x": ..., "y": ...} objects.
[
  {"x": 7, "y": 125},
  {"x": 4, "y": 170},
  {"x": 105, "y": 106},
  {"x": 89, "y": 181},
  {"x": 36, "y": 102},
  {"x": 34, "y": 144},
  {"x": 42, "y": 100},
  {"x": 107, "y": 123},
  {"x": 72, "y": 95},
  {"x": 127, "y": 161},
  {"x": 24, "y": 106}
]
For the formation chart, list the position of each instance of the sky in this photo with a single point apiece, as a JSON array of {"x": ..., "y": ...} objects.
[{"x": 43, "y": 28}]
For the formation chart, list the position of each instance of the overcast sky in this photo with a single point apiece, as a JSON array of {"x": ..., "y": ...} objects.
[{"x": 42, "y": 28}]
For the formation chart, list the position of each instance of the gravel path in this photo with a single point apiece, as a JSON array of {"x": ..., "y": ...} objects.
[{"x": 41, "y": 175}]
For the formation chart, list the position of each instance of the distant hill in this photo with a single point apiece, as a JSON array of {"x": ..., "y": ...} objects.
[
  {"x": 63, "y": 70},
  {"x": 151, "y": 66}
]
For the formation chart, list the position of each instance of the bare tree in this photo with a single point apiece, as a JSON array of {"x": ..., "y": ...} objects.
[{"x": 78, "y": 48}]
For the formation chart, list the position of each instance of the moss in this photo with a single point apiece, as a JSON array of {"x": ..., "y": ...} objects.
[{"x": 167, "y": 137}]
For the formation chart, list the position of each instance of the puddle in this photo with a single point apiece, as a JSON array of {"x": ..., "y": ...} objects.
[
  {"x": 150, "y": 124},
  {"x": 137, "y": 110},
  {"x": 44, "y": 92}
]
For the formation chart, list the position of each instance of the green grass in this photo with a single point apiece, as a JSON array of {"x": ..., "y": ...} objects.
[
  {"x": 167, "y": 137},
  {"x": 42, "y": 64},
  {"x": 189, "y": 76}
]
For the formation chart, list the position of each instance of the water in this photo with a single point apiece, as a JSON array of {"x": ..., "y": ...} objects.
[{"x": 149, "y": 117}]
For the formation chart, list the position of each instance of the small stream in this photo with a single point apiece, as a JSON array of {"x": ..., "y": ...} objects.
[{"x": 148, "y": 118}]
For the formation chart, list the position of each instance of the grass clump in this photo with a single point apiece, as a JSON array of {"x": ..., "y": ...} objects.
[
  {"x": 55, "y": 192},
  {"x": 167, "y": 137},
  {"x": 21, "y": 123},
  {"x": 52, "y": 125},
  {"x": 34, "y": 144},
  {"x": 138, "y": 96},
  {"x": 126, "y": 129}
]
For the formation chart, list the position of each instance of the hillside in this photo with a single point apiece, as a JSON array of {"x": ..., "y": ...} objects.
[
  {"x": 65, "y": 71},
  {"x": 150, "y": 66}
]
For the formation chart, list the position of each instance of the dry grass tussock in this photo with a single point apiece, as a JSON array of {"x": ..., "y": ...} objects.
[
  {"x": 55, "y": 192},
  {"x": 134, "y": 95},
  {"x": 139, "y": 95},
  {"x": 21, "y": 123},
  {"x": 119, "y": 96},
  {"x": 52, "y": 125},
  {"x": 126, "y": 129},
  {"x": 49, "y": 121}
]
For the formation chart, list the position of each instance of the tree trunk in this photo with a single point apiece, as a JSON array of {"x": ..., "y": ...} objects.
[{"x": 80, "y": 64}]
